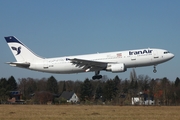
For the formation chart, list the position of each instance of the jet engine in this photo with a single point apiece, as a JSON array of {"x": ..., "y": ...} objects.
[{"x": 118, "y": 67}]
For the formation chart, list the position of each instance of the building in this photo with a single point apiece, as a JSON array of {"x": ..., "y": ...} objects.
[
  {"x": 142, "y": 101},
  {"x": 137, "y": 101},
  {"x": 70, "y": 96},
  {"x": 15, "y": 97}
]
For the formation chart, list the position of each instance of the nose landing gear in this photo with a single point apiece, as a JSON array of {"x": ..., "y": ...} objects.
[{"x": 154, "y": 69}]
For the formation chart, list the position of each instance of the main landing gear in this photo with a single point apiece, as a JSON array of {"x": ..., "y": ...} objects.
[
  {"x": 154, "y": 69},
  {"x": 97, "y": 76}
]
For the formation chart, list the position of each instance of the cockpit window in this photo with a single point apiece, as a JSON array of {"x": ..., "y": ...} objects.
[{"x": 166, "y": 52}]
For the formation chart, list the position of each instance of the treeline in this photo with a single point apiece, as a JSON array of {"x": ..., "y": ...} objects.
[{"x": 108, "y": 91}]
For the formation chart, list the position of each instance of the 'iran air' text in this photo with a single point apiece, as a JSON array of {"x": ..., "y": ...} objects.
[{"x": 140, "y": 52}]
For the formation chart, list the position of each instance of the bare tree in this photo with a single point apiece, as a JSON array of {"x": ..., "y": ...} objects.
[
  {"x": 41, "y": 84},
  {"x": 43, "y": 97}
]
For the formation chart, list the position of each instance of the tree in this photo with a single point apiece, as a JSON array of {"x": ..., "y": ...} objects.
[
  {"x": 86, "y": 90},
  {"x": 31, "y": 87},
  {"x": 99, "y": 92},
  {"x": 12, "y": 84},
  {"x": 22, "y": 87},
  {"x": 41, "y": 84},
  {"x": 143, "y": 82},
  {"x": 69, "y": 85},
  {"x": 133, "y": 79},
  {"x": 4, "y": 92},
  {"x": 167, "y": 90},
  {"x": 116, "y": 80},
  {"x": 177, "y": 82},
  {"x": 177, "y": 90},
  {"x": 125, "y": 86},
  {"x": 117, "y": 83},
  {"x": 77, "y": 87},
  {"x": 152, "y": 88},
  {"x": 27, "y": 86},
  {"x": 64, "y": 86},
  {"x": 110, "y": 90},
  {"x": 52, "y": 85},
  {"x": 43, "y": 97},
  {"x": 133, "y": 76}
]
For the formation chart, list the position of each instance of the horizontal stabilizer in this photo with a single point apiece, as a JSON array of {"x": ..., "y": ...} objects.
[{"x": 18, "y": 64}]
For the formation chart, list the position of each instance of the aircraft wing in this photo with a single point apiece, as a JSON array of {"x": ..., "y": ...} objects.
[
  {"x": 19, "y": 64},
  {"x": 88, "y": 64}
]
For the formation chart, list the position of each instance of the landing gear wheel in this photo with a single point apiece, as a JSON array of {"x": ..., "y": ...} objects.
[
  {"x": 97, "y": 77},
  {"x": 94, "y": 77},
  {"x": 154, "y": 69}
]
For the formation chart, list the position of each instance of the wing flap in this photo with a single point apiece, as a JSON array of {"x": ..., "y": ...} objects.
[{"x": 87, "y": 65}]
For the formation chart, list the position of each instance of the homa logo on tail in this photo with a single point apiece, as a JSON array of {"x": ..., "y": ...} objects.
[{"x": 17, "y": 49}]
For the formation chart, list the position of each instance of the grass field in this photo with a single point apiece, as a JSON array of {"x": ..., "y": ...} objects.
[{"x": 80, "y": 112}]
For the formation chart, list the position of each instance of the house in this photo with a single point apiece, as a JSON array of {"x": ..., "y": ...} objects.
[
  {"x": 70, "y": 96},
  {"x": 137, "y": 101},
  {"x": 15, "y": 97},
  {"x": 143, "y": 99}
]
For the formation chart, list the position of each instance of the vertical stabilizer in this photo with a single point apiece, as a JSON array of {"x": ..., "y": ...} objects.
[{"x": 20, "y": 51}]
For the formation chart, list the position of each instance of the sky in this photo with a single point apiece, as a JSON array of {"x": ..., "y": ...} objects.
[{"x": 74, "y": 27}]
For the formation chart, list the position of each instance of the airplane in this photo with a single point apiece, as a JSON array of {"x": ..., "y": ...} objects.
[{"x": 114, "y": 62}]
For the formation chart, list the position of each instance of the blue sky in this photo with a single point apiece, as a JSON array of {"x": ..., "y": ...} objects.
[{"x": 62, "y": 28}]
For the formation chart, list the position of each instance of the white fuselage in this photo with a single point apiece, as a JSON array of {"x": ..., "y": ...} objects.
[
  {"x": 130, "y": 59},
  {"x": 111, "y": 61}
]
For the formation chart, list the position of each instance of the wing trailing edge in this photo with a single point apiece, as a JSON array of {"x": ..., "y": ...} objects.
[{"x": 88, "y": 65}]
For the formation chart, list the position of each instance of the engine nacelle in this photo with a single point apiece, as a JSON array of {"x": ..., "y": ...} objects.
[{"x": 119, "y": 67}]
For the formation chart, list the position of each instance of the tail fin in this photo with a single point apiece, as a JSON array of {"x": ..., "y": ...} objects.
[{"x": 20, "y": 51}]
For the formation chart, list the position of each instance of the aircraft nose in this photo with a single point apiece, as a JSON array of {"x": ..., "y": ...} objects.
[{"x": 171, "y": 55}]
